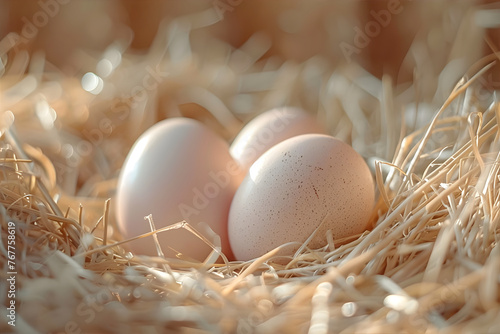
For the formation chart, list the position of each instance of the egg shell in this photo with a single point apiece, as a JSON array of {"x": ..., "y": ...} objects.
[
  {"x": 269, "y": 129},
  {"x": 295, "y": 186},
  {"x": 177, "y": 170}
]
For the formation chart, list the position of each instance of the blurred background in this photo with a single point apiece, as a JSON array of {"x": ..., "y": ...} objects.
[{"x": 295, "y": 30}]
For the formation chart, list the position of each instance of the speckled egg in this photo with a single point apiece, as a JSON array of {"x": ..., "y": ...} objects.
[
  {"x": 269, "y": 129},
  {"x": 295, "y": 186}
]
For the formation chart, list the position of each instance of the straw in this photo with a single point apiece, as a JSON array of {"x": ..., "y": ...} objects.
[{"x": 428, "y": 264}]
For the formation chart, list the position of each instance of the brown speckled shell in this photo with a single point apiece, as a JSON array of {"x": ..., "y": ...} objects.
[{"x": 292, "y": 188}]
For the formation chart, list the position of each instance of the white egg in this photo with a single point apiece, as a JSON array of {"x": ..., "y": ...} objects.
[
  {"x": 177, "y": 170},
  {"x": 269, "y": 129},
  {"x": 294, "y": 187}
]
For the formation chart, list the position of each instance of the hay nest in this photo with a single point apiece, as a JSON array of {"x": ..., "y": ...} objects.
[{"x": 429, "y": 264}]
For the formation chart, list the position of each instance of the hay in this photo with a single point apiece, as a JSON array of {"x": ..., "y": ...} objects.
[{"x": 430, "y": 263}]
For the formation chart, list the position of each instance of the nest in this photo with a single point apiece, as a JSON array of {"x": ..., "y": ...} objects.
[{"x": 429, "y": 264}]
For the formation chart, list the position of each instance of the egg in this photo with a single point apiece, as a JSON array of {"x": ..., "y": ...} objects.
[
  {"x": 293, "y": 188},
  {"x": 268, "y": 129},
  {"x": 177, "y": 170}
]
